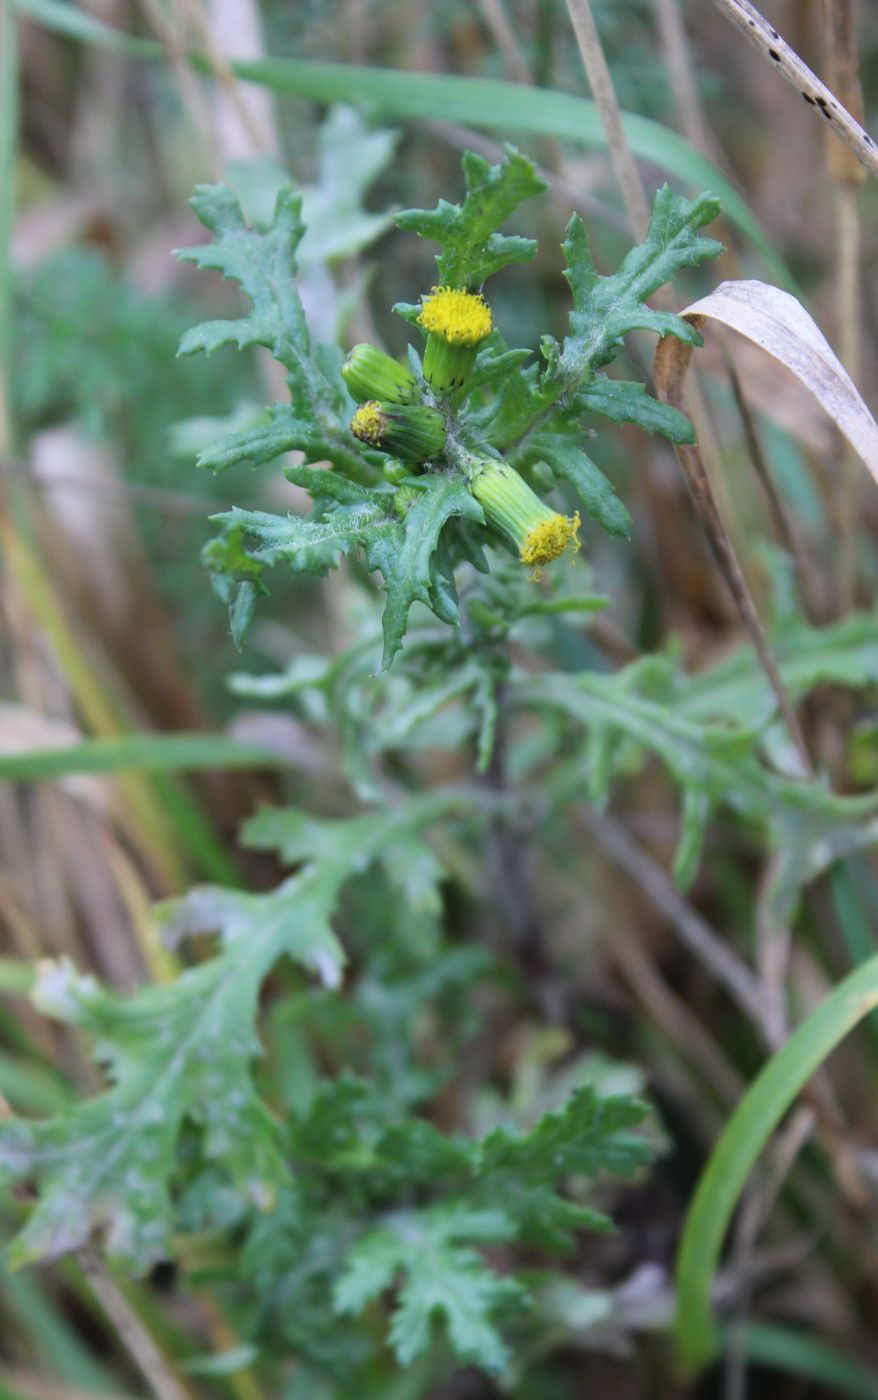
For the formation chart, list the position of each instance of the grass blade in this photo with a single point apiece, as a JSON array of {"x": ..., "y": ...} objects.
[
  {"x": 742, "y": 1141},
  {"x": 151, "y": 753},
  {"x": 480, "y": 102},
  {"x": 799, "y": 1354}
]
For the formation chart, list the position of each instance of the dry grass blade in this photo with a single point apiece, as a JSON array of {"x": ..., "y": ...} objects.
[
  {"x": 604, "y": 94},
  {"x": 776, "y": 322},
  {"x": 669, "y": 371},
  {"x": 780, "y": 325},
  {"x": 138, "y": 1342},
  {"x": 768, "y": 41}
]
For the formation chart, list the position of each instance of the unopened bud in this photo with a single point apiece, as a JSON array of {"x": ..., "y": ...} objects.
[
  {"x": 411, "y": 431},
  {"x": 511, "y": 507},
  {"x": 370, "y": 374}
]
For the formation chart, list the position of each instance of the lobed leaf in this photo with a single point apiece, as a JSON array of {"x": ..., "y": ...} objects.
[
  {"x": 472, "y": 250},
  {"x": 411, "y": 576},
  {"x": 180, "y": 1054},
  {"x": 605, "y": 309}
]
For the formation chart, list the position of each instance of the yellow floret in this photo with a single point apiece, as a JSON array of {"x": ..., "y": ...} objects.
[
  {"x": 461, "y": 318},
  {"x": 368, "y": 423},
  {"x": 549, "y": 539}
]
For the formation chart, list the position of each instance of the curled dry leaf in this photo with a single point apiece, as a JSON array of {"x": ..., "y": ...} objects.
[{"x": 780, "y": 325}]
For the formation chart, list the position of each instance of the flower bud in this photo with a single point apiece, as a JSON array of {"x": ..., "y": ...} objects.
[
  {"x": 411, "y": 431},
  {"x": 511, "y": 507},
  {"x": 396, "y": 471},
  {"x": 456, "y": 323},
  {"x": 370, "y": 374}
]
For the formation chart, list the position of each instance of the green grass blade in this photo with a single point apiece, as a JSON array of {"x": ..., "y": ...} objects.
[
  {"x": 508, "y": 108},
  {"x": 8, "y": 167},
  {"x": 799, "y": 1354},
  {"x": 743, "y": 1139},
  {"x": 151, "y": 753},
  {"x": 61, "y": 1351},
  {"x": 857, "y": 929},
  {"x": 77, "y": 24}
]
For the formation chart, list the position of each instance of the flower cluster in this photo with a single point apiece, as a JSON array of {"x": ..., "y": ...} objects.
[{"x": 415, "y": 421}]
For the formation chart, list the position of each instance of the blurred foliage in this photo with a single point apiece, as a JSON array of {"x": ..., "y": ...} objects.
[{"x": 381, "y": 1100}]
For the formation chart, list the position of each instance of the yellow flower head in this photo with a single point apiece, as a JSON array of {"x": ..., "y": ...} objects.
[
  {"x": 369, "y": 423},
  {"x": 549, "y": 539},
  {"x": 461, "y": 318}
]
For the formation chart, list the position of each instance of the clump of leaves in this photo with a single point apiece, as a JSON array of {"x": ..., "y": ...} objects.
[
  {"x": 348, "y": 1192},
  {"x": 533, "y": 417}
]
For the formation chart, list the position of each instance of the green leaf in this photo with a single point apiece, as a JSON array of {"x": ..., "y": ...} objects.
[
  {"x": 265, "y": 266},
  {"x": 350, "y": 159},
  {"x": 288, "y": 431},
  {"x": 624, "y": 402},
  {"x": 740, "y": 1146},
  {"x": 151, "y": 753},
  {"x": 844, "y": 653},
  {"x": 182, "y": 1052},
  {"x": 171, "y": 1052},
  {"x": 304, "y": 546},
  {"x": 472, "y": 250},
  {"x": 808, "y": 826},
  {"x": 605, "y": 309},
  {"x": 800, "y": 1353},
  {"x": 440, "y": 1276},
  {"x": 589, "y": 1135},
  {"x": 411, "y": 576},
  {"x": 569, "y": 463}
]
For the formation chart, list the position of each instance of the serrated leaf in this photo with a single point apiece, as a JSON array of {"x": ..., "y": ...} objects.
[
  {"x": 350, "y": 159},
  {"x": 569, "y": 463},
  {"x": 412, "y": 577},
  {"x": 472, "y": 250},
  {"x": 605, "y": 309},
  {"x": 289, "y": 431},
  {"x": 265, "y": 266},
  {"x": 308, "y": 546},
  {"x": 440, "y": 1277},
  {"x": 183, "y": 1052},
  {"x": 809, "y": 826},
  {"x": 588, "y": 1135},
  {"x": 625, "y": 402},
  {"x": 844, "y": 653}
]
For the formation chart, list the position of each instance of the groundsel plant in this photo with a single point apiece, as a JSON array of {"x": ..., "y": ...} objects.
[{"x": 302, "y": 1163}]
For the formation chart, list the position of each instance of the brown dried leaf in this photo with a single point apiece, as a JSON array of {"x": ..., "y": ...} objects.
[
  {"x": 775, "y": 321},
  {"x": 781, "y": 326}
]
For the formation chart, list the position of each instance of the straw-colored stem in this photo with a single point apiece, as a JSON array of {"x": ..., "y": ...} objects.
[
  {"x": 756, "y": 28},
  {"x": 604, "y": 94}
]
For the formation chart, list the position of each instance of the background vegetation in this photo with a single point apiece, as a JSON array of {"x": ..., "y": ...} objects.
[{"x": 671, "y": 896}]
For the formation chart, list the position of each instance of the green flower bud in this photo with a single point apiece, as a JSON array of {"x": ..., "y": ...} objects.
[
  {"x": 512, "y": 508},
  {"x": 411, "y": 431},
  {"x": 395, "y": 471},
  {"x": 405, "y": 499},
  {"x": 370, "y": 374},
  {"x": 456, "y": 323}
]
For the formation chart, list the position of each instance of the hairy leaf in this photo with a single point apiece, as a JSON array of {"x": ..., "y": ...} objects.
[
  {"x": 182, "y": 1052},
  {"x": 472, "y": 250},
  {"x": 412, "y": 575},
  {"x": 625, "y": 402},
  {"x": 605, "y": 309},
  {"x": 440, "y": 1276}
]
